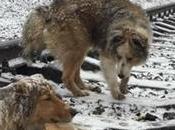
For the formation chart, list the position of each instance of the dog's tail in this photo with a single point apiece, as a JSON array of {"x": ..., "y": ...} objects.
[{"x": 32, "y": 39}]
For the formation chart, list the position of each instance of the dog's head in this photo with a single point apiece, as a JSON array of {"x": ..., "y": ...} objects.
[
  {"x": 50, "y": 108},
  {"x": 43, "y": 104},
  {"x": 129, "y": 43},
  {"x": 33, "y": 102}
]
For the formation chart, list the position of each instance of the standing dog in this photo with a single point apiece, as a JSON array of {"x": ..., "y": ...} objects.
[{"x": 118, "y": 29}]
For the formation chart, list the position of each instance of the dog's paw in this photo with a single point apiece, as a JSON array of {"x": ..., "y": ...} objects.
[
  {"x": 81, "y": 93},
  {"x": 117, "y": 95},
  {"x": 85, "y": 93},
  {"x": 84, "y": 87},
  {"x": 124, "y": 90}
]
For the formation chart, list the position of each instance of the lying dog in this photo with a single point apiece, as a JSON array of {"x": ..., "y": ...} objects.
[
  {"x": 118, "y": 29},
  {"x": 60, "y": 127},
  {"x": 30, "y": 103}
]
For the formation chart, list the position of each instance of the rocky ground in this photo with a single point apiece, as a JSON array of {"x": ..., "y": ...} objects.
[{"x": 150, "y": 103}]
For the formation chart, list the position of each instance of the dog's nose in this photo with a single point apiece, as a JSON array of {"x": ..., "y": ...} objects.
[
  {"x": 59, "y": 96},
  {"x": 73, "y": 112},
  {"x": 121, "y": 76}
]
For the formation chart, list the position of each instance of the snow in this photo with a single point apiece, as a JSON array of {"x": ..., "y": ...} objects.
[
  {"x": 158, "y": 33},
  {"x": 92, "y": 61},
  {"x": 152, "y": 3},
  {"x": 164, "y": 29},
  {"x": 14, "y": 12},
  {"x": 165, "y": 25},
  {"x": 116, "y": 112},
  {"x": 133, "y": 81},
  {"x": 96, "y": 123},
  {"x": 157, "y": 74}
]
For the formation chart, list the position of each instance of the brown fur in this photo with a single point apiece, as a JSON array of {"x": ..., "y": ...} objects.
[
  {"x": 30, "y": 103},
  {"x": 118, "y": 29},
  {"x": 60, "y": 127}
]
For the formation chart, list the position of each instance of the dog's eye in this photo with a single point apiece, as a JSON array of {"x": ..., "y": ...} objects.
[
  {"x": 119, "y": 57},
  {"x": 58, "y": 96},
  {"x": 48, "y": 98},
  {"x": 136, "y": 41},
  {"x": 139, "y": 42},
  {"x": 116, "y": 39},
  {"x": 129, "y": 59}
]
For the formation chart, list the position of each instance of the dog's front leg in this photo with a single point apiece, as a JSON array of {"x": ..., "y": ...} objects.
[
  {"x": 123, "y": 85},
  {"x": 109, "y": 69}
]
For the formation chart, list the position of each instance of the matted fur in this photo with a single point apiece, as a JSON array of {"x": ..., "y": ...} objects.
[
  {"x": 19, "y": 102},
  {"x": 118, "y": 29}
]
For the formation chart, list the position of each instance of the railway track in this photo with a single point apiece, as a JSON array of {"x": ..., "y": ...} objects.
[{"x": 149, "y": 105}]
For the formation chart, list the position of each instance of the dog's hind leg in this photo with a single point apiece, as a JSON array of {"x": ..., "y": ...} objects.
[
  {"x": 71, "y": 65},
  {"x": 78, "y": 79},
  {"x": 110, "y": 73}
]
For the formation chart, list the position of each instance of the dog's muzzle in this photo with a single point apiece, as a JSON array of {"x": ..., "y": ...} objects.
[
  {"x": 121, "y": 76},
  {"x": 73, "y": 112}
]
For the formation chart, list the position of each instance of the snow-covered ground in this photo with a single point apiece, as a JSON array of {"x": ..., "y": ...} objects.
[
  {"x": 152, "y": 3},
  {"x": 13, "y": 14},
  {"x": 151, "y": 86}
]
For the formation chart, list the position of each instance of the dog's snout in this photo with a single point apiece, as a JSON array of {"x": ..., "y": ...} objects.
[
  {"x": 58, "y": 96},
  {"x": 121, "y": 76},
  {"x": 73, "y": 112}
]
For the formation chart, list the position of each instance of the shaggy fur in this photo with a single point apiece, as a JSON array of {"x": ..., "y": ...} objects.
[
  {"x": 118, "y": 29},
  {"x": 30, "y": 103}
]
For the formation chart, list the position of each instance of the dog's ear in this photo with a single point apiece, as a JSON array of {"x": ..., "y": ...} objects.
[
  {"x": 23, "y": 88},
  {"x": 116, "y": 39},
  {"x": 20, "y": 87},
  {"x": 44, "y": 11}
]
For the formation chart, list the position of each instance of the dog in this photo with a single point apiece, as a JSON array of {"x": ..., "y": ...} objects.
[
  {"x": 30, "y": 103},
  {"x": 118, "y": 29},
  {"x": 61, "y": 127}
]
